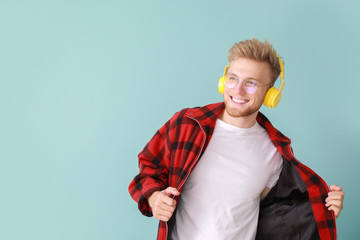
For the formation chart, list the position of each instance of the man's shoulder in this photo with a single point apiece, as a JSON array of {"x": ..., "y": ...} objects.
[
  {"x": 202, "y": 114},
  {"x": 274, "y": 134},
  {"x": 203, "y": 111}
]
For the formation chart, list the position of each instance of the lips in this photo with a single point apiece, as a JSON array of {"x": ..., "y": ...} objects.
[{"x": 239, "y": 100}]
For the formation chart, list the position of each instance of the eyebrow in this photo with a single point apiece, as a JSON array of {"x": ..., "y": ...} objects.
[{"x": 250, "y": 78}]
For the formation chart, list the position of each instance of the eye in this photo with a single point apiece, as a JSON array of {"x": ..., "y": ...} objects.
[{"x": 250, "y": 83}]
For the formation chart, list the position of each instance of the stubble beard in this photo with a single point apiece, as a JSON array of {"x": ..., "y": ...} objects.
[
  {"x": 241, "y": 113},
  {"x": 238, "y": 114}
]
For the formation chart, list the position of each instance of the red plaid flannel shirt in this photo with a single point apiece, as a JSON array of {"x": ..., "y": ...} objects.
[{"x": 172, "y": 153}]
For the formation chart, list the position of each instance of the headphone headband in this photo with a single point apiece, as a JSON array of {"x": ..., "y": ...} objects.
[{"x": 282, "y": 74}]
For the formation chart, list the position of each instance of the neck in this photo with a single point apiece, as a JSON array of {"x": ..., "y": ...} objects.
[{"x": 240, "y": 122}]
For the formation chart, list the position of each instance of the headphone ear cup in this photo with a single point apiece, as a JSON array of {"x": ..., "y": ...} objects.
[
  {"x": 272, "y": 97},
  {"x": 221, "y": 85}
]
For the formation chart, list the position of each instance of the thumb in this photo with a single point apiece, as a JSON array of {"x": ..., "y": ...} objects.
[{"x": 171, "y": 191}]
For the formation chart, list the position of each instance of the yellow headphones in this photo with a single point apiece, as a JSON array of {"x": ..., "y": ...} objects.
[{"x": 273, "y": 95}]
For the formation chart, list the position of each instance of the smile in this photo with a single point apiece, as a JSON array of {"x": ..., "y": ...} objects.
[{"x": 238, "y": 100}]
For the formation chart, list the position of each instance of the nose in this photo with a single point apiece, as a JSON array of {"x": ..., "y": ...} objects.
[{"x": 240, "y": 88}]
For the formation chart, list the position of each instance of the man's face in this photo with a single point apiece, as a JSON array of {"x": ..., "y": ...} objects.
[{"x": 238, "y": 103}]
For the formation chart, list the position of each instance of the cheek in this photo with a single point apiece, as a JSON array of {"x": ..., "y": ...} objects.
[
  {"x": 226, "y": 92},
  {"x": 260, "y": 97},
  {"x": 250, "y": 90},
  {"x": 263, "y": 94}
]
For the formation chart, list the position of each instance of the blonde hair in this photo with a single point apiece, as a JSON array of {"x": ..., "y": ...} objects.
[{"x": 259, "y": 51}]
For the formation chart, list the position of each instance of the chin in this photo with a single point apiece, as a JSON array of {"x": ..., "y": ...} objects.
[{"x": 237, "y": 113}]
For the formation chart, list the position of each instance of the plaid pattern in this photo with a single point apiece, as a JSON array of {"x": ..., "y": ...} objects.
[{"x": 172, "y": 153}]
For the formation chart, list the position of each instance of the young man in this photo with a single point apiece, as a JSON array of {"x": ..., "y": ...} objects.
[{"x": 222, "y": 171}]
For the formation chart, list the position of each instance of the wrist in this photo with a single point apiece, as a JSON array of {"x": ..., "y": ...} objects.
[{"x": 152, "y": 198}]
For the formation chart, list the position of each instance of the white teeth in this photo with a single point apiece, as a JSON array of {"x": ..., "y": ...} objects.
[{"x": 238, "y": 100}]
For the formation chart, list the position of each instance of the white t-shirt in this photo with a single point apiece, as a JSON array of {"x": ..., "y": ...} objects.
[{"x": 221, "y": 197}]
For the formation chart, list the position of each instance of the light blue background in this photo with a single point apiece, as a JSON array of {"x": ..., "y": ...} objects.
[{"x": 85, "y": 84}]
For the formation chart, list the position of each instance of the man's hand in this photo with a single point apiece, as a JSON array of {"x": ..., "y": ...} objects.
[
  {"x": 162, "y": 203},
  {"x": 335, "y": 199}
]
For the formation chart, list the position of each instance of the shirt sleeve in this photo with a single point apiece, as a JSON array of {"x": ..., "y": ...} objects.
[
  {"x": 153, "y": 172},
  {"x": 154, "y": 162},
  {"x": 275, "y": 177}
]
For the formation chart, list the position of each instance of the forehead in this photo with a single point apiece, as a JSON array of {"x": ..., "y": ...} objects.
[{"x": 246, "y": 68}]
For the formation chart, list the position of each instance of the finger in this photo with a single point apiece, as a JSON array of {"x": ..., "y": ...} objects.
[
  {"x": 333, "y": 202},
  {"x": 164, "y": 204},
  {"x": 164, "y": 218},
  {"x": 336, "y": 203},
  {"x": 337, "y": 193},
  {"x": 165, "y": 213},
  {"x": 335, "y": 210},
  {"x": 338, "y": 196},
  {"x": 335, "y": 188},
  {"x": 167, "y": 200},
  {"x": 163, "y": 210},
  {"x": 167, "y": 208},
  {"x": 161, "y": 206},
  {"x": 171, "y": 191}
]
